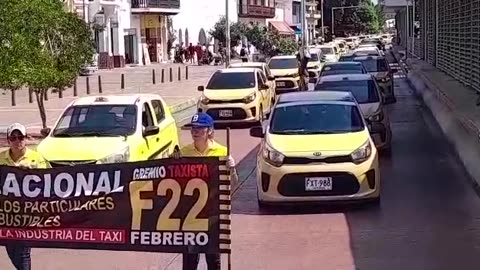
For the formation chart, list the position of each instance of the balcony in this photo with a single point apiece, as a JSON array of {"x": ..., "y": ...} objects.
[
  {"x": 170, "y": 7},
  {"x": 255, "y": 11}
]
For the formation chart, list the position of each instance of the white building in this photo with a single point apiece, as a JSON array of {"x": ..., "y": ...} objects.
[
  {"x": 129, "y": 31},
  {"x": 197, "y": 18}
]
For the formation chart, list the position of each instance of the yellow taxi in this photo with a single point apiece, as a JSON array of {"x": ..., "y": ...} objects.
[
  {"x": 285, "y": 70},
  {"x": 235, "y": 95},
  {"x": 111, "y": 129},
  {"x": 316, "y": 147}
]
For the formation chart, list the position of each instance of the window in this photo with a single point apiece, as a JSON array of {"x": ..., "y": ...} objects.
[
  {"x": 271, "y": 3},
  {"x": 374, "y": 65},
  {"x": 147, "y": 119},
  {"x": 263, "y": 77},
  {"x": 97, "y": 120},
  {"x": 313, "y": 57},
  {"x": 158, "y": 110},
  {"x": 283, "y": 63},
  {"x": 267, "y": 71},
  {"x": 336, "y": 69},
  {"x": 328, "y": 118},
  {"x": 296, "y": 13},
  {"x": 259, "y": 80},
  {"x": 327, "y": 50},
  {"x": 231, "y": 80},
  {"x": 364, "y": 91}
]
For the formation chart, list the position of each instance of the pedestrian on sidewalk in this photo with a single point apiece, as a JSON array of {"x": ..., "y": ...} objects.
[
  {"x": 204, "y": 145},
  {"x": 19, "y": 155},
  {"x": 191, "y": 51},
  {"x": 243, "y": 54}
]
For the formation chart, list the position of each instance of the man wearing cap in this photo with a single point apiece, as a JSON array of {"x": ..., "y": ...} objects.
[
  {"x": 20, "y": 156},
  {"x": 204, "y": 145}
]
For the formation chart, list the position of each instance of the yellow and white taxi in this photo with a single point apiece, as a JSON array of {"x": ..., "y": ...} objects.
[
  {"x": 236, "y": 95},
  {"x": 285, "y": 70},
  {"x": 314, "y": 65},
  {"x": 317, "y": 147},
  {"x": 111, "y": 129}
]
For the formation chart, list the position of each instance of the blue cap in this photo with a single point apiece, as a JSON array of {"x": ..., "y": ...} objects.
[{"x": 202, "y": 120}]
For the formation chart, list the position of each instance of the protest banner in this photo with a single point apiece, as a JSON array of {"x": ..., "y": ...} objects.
[{"x": 167, "y": 205}]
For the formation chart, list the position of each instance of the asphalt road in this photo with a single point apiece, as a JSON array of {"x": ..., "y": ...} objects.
[{"x": 428, "y": 217}]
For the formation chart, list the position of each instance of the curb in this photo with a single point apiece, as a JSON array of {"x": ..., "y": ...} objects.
[
  {"x": 459, "y": 130},
  {"x": 181, "y": 106}
]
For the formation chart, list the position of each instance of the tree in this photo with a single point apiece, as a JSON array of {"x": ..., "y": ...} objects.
[
  {"x": 44, "y": 52},
  {"x": 268, "y": 41},
  {"x": 237, "y": 31}
]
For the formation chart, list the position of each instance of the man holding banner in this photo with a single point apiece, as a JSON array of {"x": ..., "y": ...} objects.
[
  {"x": 204, "y": 144},
  {"x": 19, "y": 155}
]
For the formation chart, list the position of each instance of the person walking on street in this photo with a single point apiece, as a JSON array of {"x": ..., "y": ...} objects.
[
  {"x": 191, "y": 52},
  {"x": 204, "y": 145},
  {"x": 243, "y": 54},
  {"x": 20, "y": 156}
]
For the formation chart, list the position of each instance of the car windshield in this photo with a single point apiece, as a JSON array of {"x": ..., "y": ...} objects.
[
  {"x": 341, "y": 45},
  {"x": 327, "y": 50},
  {"x": 341, "y": 69},
  {"x": 313, "y": 57},
  {"x": 283, "y": 63},
  {"x": 348, "y": 40},
  {"x": 366, "y": 53},
  {"x": 97, "y": 120},
  {"x": 346, "y": 58},
  {"x": 231, "y": 80},
  {"x": 316, "y": 119},
  {"x": 364, "y": 91},
  {"x": 374, "y": 65}
]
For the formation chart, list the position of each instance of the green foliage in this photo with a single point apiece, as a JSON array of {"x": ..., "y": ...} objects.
[
  {"x": 218, "y": 31},
  {"x": 45, "y": 51},
  {"x": 356, "y": 20},
  {"x": 268, "y": 41}
]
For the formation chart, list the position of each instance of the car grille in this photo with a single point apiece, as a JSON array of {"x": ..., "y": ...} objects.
[
  {"x": 225, "y": 101},
  {"x": 287, "y": 84},
  {"x": 237, "y": 114},
  {"x": 57, "y": 164},
  {"x": 304, "y": 160},
  {"x": 293, "y": 185}
]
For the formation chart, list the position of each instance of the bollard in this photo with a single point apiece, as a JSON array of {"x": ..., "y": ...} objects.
[
  {"x": 75, "y": 88},
  {"x": 60, "y": 93},
  {"x": 186, "y": 72},
  {"x": 30, "y": 95},
  {"x": 179, "y": 75},
  {"x": 88, "y": 84},
  {"x": 122, "y": 81},
  {"x": 154, "y": 81},
  {"x": 100, "y": 89},
  {"x": 163, "y": 75},
  {"x": 171, "y": 75},
  {"x": 14, "y": 100}
]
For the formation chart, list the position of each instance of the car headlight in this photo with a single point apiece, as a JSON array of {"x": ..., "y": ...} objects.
[
  {"x": 294, "y": 74},
  {"x": 385, "y": 79},
  {"x": 272, "y": 156},
  {"x": 314, "y": 67},
  {"x": 250, "y": 98},
  {"x": 119, "y": 157},
  {"x": 378, "y": 117},
  {"x": 204, "y": 100},
  {"x": 362, "y": 153}
]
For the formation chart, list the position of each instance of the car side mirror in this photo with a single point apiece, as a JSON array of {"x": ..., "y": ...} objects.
[
  {"x": 201, "y": 88},
  {"x": 376, "y": 127},
  {"x": 271, "y": 78},
  {"x": 257, "y": 132},
  {"x": 150, "y": 131},
  {"x": 45, "y": 131}
]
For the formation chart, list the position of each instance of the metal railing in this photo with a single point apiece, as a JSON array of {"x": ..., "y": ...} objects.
[{"x": 448, "y": 38}]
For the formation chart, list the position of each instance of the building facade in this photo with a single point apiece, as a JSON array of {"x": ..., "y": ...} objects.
[
  {"x": 197, "y": 18},
  {"x": 129, "y": 32},
  {"x": 256, "y": 11}
]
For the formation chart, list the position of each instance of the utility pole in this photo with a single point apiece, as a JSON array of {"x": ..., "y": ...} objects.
[
  {"x": 227, "y": 35},
  {"x": 304, "y": 27},
  {"x": 407, "y": 28},
  {"x": 84, "y": 11},
  {"x": 322, "y": 22}
]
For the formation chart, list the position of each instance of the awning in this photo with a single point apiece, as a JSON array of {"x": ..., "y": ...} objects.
[{"x": 282, "y": 27}]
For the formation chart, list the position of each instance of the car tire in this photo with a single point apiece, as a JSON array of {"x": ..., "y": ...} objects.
[{"x": 262, "y": 205}]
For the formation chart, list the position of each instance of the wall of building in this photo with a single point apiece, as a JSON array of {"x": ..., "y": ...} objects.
[{"x": 209, "y": 11}]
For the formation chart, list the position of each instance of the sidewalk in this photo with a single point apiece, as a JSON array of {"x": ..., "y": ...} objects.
[
  {"x": 136, "y": 79},
  {"x": 454, "y": 107},
  {"x": 178, "y": 94}
]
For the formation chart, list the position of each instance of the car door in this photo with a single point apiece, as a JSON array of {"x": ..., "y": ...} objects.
[
  {"x": 265, "y": 94},
  {"x": 270, "y": 82},
  {"x": 151, "y": 140},
  {"x": 165, "y": 139}
]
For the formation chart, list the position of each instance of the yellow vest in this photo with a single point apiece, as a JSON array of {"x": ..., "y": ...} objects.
[
  {"x": 31, "y": 159},
  {"x": 215, "y": 150}
]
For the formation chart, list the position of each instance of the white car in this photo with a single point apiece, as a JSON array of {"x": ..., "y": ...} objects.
[
  {"x": 329, "y": 52},
  {"x": 372, "y": 50}
]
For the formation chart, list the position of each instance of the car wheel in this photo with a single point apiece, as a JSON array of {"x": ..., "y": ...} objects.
[{"x": 262, "y": 205}]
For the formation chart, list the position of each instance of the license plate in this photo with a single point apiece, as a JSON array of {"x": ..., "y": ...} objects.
[
  {"x": 281, "y": 84},
  {"x": 226, "y": 113},
  {"x": 318, "y": 183}
]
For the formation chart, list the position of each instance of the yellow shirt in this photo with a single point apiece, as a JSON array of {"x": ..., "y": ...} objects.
[
  {"x": 215, "y": 150},
  {"x": 31, "y": 159}
]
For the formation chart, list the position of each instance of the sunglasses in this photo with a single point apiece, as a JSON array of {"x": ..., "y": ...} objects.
[{"x": 16, "y": 138}]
